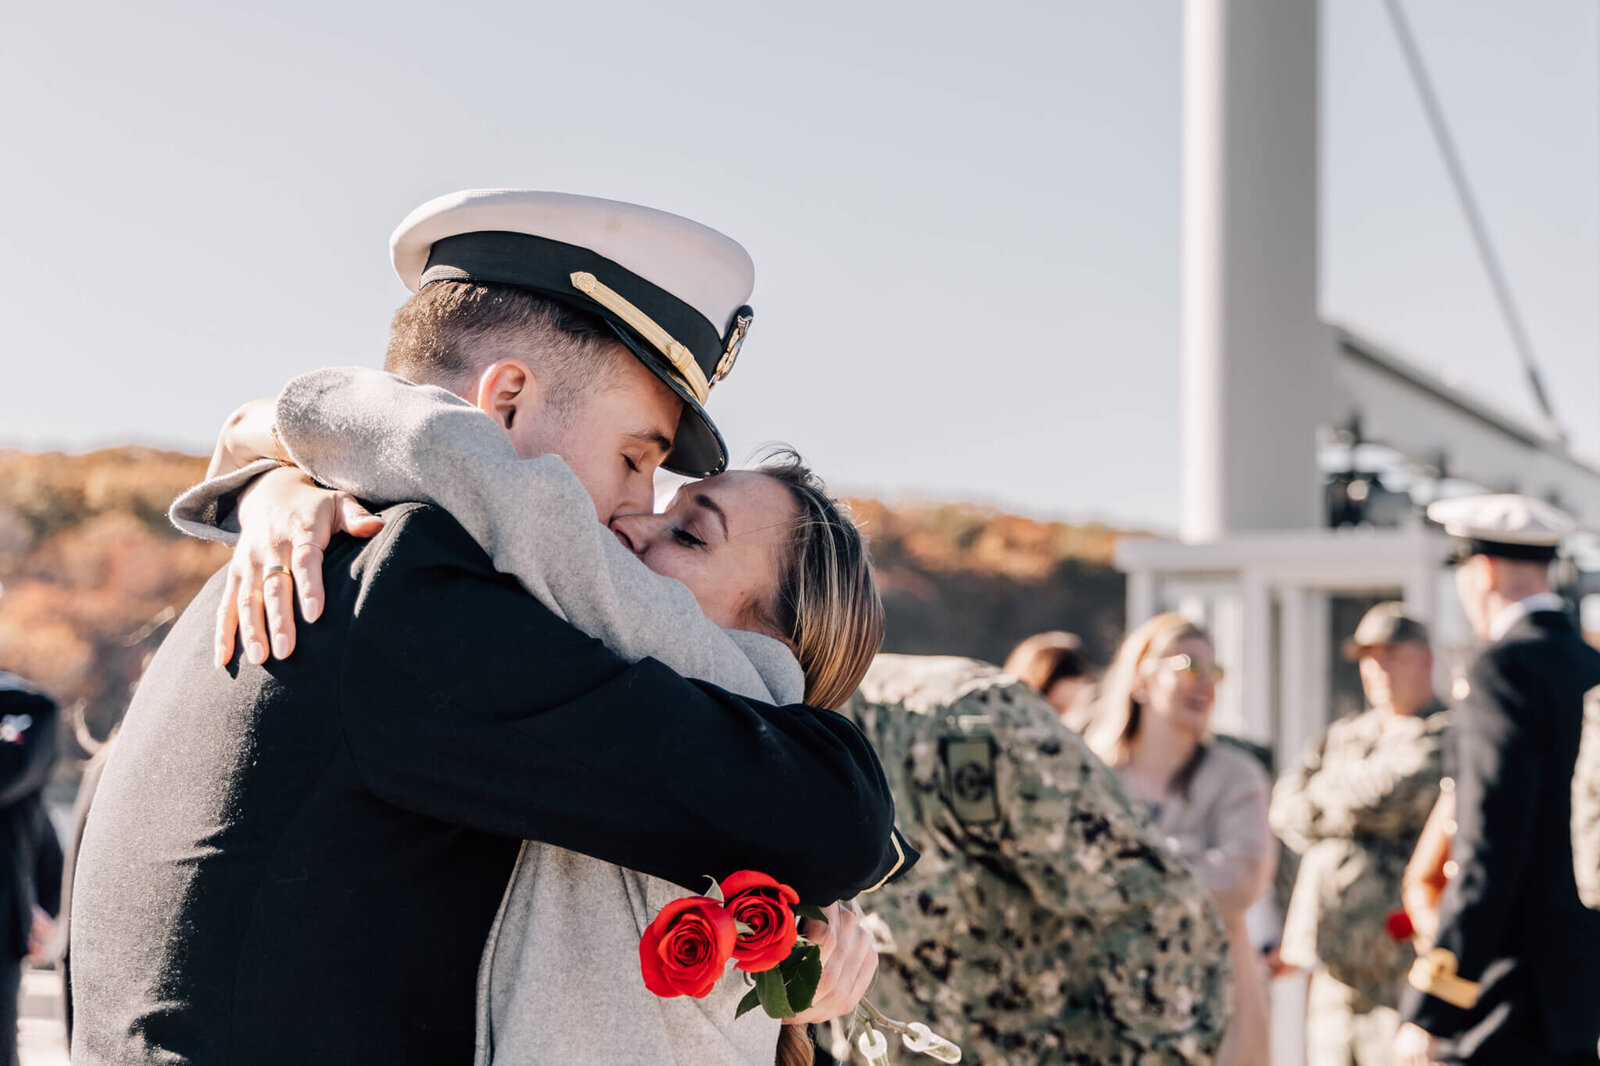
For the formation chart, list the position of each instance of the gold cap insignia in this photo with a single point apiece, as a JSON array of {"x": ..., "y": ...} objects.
[{"x": 730, "y": 350}]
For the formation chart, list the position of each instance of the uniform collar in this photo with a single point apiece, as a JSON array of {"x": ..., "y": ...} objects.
[{"x": 1510, "y": 616}]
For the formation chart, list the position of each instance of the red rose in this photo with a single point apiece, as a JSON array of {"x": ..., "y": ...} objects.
[
  {"x": 767, "y": 908},
  {"x": 1399, "y": 924},
  {"x": 686, "y": 949}
]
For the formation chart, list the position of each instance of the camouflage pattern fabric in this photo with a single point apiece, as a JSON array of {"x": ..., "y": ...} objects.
[
  {"x": 1046, "y": 922},
  {"x": 1586, "y": 804},
  {"x": 1353, "y": 808}
]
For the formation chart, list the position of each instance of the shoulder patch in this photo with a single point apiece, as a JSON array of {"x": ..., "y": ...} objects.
[{"x": 969, "y": 778}]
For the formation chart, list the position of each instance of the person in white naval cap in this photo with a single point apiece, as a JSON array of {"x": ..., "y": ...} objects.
[
  {"x": 1513, "y": 975},
  {"x": 298, "y": 859}
]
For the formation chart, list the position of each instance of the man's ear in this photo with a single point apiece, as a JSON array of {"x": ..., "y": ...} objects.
[{"x": 510, "y": 393}]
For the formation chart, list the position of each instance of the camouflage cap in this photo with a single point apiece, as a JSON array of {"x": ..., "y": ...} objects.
[{"x": 1385, "y": 624}]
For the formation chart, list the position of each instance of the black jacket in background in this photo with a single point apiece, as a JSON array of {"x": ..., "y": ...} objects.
[
  {"x": 29, "y": 727},
  {"x": 1511, "y": 915},
  {"x": 300, "y": 862}
]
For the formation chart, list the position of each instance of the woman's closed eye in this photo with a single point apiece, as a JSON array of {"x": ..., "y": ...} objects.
[
  {"x": 687, "y": 539},
  {"x": 632, "y": 464}
]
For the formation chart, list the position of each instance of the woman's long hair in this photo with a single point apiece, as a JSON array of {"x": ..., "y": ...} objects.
[
  {"x": 827, "y": 608},
  {"x": 1118, "y": 717}
]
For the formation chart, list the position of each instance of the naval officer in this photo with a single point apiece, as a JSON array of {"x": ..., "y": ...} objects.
[
  {"x": 299, "y": 860},
  {"x": 1514, "y": 975}
]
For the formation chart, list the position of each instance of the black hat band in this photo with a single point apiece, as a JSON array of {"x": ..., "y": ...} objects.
[
  {"x": 1537, "y": 553},
  {"x": 547, "y": 267}
]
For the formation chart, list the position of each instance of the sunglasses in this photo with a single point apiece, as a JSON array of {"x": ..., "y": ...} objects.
[{"x": 1197, "y": 671}]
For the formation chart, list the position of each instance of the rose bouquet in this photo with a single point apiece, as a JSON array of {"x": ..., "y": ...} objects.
[{"x": 753, "y": 921}]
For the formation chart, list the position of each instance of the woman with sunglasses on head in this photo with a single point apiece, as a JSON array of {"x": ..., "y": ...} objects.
[{"x": 1210, "y": 800}]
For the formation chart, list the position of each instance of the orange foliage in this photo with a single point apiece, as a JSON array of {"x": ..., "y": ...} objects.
[
  {"x": 88, "y": 560},
  {"x": 93, "y": 573}
]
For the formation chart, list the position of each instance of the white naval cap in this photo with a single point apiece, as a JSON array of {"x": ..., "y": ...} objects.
[
  {"x": 1506, "y": 525},
  {"x": 674, "y": 291}
]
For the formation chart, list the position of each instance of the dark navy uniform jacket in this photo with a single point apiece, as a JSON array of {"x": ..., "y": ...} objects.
[
  {"x": 29, "y": 729},
  {"x": 1511, "y": 915},
  {"x": 300, "y": 862}
]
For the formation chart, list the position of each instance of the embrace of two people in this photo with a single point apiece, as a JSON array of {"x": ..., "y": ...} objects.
[{"x": 431, "y": 826}]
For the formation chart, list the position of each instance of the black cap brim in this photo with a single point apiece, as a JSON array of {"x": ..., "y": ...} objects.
[{"x": 698, "y": 449}]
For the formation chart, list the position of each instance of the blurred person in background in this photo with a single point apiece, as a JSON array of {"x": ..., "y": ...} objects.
[
  {"x": 1353, "y": 808},
  {"x": 1153, "y": 726},
  {"x": 1513, "y": 974},
  {"x": 1054, "y": 665},
  {"x": 29, "y": 722}
]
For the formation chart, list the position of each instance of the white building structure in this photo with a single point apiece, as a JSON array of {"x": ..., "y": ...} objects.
[{"x": 1267, "y": 385}]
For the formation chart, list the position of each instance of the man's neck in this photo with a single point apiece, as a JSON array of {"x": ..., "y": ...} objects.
[{"x": 1507, "y": 609}]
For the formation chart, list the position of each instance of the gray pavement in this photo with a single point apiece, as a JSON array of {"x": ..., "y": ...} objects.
[{"x": 41, "y": 1034}]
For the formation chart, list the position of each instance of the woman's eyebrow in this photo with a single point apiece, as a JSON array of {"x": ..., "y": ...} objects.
[{"x": 702, "y": 500}]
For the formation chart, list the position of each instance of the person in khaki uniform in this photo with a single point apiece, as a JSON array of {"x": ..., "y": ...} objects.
[{"x": 1353, "y": 808}]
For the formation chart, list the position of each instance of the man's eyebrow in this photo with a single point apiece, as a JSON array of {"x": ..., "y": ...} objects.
[
  {"x": 654, "y": 437},
  {"x": 702, "y": 500}
]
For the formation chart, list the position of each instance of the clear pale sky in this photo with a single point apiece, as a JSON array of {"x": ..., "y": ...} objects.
[{"x": 964, "y": 219}]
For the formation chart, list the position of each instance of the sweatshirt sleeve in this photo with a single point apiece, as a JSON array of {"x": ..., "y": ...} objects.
[{"x": 388, "y": 441}]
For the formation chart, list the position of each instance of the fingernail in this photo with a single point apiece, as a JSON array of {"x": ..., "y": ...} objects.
[
  {"x": 219, "y": 658},
  {"x": 280, "y": 646},
  {"x": 312, "y": 609},
  {"x": 258, "y": 654}
]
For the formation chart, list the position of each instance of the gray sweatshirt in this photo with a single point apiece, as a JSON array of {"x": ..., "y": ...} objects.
[{"x": 560, "y": 979}]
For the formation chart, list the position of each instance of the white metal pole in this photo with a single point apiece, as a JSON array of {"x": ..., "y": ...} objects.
[{"x": 1255, "y": 371}]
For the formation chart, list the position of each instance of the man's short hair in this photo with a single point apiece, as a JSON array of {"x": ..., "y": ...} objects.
[{"x": 449, "y": 332}]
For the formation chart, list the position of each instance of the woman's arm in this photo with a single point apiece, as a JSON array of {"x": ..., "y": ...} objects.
[
  {"x": 245, "y": 438},
  {"x": 386, "y": 440}
]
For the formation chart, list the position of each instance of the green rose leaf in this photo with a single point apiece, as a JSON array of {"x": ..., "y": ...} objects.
[
  {"x": 715, "y": 891},
  {"x": 747, "y": 1004},
  {"x": 802, "y": 971},
  {"x": 773, "y": 995},
  {"x": 806, "y": 910}
]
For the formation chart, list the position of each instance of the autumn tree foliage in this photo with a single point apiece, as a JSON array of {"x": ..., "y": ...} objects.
[{"x": 94, "y": 573}]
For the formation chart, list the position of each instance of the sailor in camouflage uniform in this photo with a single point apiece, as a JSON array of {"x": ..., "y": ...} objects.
[
  {"x": 1046, "y": 922},
  {"x": 1353, "y": 808}
]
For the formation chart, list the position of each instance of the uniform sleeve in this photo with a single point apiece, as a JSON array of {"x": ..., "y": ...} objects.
[
  {"x": 1294, "y": 813},
  {"x": 466, "y": 700},
  {"x": 1389, "y": 792},
  {"x": 1145, "y": 922},
  {"x": 1499, "y": 731},
  {"x": 388, "y": 441},
  {"x": 29, "y": 723}
]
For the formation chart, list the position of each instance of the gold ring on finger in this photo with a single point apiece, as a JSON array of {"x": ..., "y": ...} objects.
[{"x": 273, "y": 571}]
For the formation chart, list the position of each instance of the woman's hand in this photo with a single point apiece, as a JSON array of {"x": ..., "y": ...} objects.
[
  {"x": 246, "y": 436},
  {"x": 849, "y": 962},
  {"x": 285, "y": 520}
]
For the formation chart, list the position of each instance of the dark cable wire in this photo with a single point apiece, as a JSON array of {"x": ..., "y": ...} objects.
[{"x": 1469, "y": 207}]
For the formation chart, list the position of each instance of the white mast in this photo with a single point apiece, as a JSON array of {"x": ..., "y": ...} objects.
[{"x": 1256, "y": 363}]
